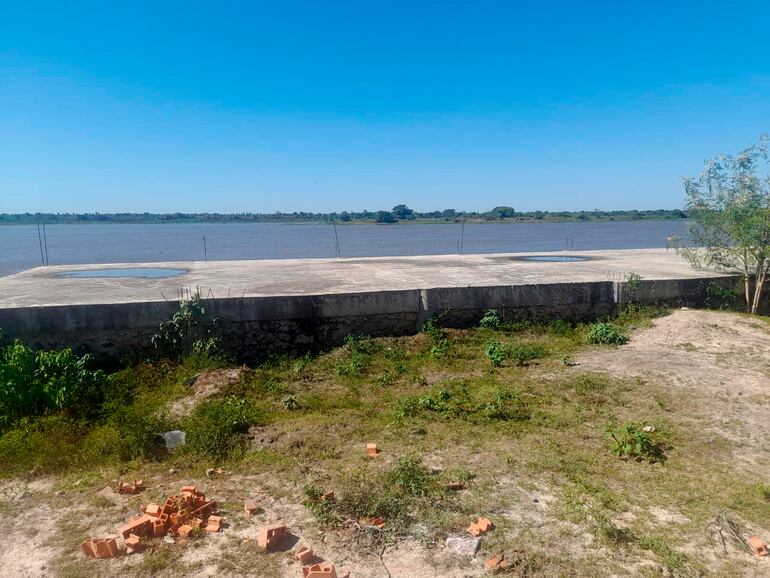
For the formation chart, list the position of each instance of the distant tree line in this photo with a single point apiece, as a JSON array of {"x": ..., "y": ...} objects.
[{"x": 399, "y": 213}]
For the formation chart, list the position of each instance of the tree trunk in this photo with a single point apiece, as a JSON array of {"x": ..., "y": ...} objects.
[
  {"x": 759, "y": 284},
  {"x": 747, "y": 292}
]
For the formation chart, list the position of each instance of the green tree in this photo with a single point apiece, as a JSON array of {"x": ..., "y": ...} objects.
[
  {"x": 402, "y": 212},
  {"x": 503, "y": 212},
  {"x": 730, "y": 206},
  {"x": 384, "y": 217}
]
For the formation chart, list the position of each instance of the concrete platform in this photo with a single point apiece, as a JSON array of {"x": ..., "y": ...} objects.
[
  {"x": 263, "y": 307},
  {"x": 45, "y": 286}
]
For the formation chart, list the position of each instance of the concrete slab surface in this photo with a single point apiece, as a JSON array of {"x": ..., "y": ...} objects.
[{"x": 48, "y": 286}]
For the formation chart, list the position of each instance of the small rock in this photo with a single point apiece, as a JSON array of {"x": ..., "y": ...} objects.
[
  {"x": 168, "y": 539},
  {"x": 172, "y": 471},
  {"x": 648, "y": 428},
  {"x": 463, "y": 545}
]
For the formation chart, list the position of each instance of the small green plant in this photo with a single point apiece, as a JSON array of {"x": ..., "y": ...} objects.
[
  {"x": 440, "y": 348},
  {"x": 290, "y": 402},
  {"x": 491, "y": 320},
  {"x": 496, "y": 352},
  {"x": 632, "y": 441},
  {"x": 605, "y": 333},
  {"x": 189, "y": 331}
]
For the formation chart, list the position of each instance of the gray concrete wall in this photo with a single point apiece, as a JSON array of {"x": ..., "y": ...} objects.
[{"x": 252, "y": 327}]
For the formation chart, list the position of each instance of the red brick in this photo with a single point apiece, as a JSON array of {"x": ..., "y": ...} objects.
[
  {"x": 250, "y": 507},
  {"x": 153, "y": 510},
  {"x": 304, "y": 555},
  {"x": 139, "y": 526},
  {"x": 758, "y": 546},
  {"x": 213, "y": 524},
  {"x": 269, "y": 535},
  {"x": 323, "y": 570},
  {"x": 480, "y": 526},
  {"x": 88, "y": 548},
  {"x": 184, "y": 530},
  {"x": 372, "y": 450},
  {"x": 133, "y": 543}
]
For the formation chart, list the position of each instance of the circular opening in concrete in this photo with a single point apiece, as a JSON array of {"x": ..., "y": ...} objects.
[
  {"x": 555, "y": 258},
  {"x": 135, "y": 272}
]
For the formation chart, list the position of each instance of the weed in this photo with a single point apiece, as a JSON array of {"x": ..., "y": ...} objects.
[
  {"x": 458, "y": 403},
  {"x": 605, "y": 333},
  {"x": 290, "y": 402},
  {"x": 496, "y": 352},
  {"x": 189, "y": 331},
  {"x": 491, "y": 320},
  {"x": 631, "y": 441}
]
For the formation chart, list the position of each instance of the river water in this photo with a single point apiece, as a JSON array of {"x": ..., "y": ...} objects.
[{"x": 112, "y": 243}]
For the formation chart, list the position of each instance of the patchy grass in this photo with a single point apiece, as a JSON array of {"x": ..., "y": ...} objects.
[{"x": 526, "y": 436}]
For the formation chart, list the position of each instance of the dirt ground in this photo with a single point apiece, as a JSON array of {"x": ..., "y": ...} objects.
[
  {"x": 721, "y": 361},
  {"x": 718, "y": 364}
]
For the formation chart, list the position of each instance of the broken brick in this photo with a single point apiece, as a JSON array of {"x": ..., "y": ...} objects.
[
  {"x": 455, "y": 486},
  {"x": 323, "y": 570},
  {"x": 269, "y": 535},
  {"x": 327, "y": 497},
  {"x": 153, "y": 510},
  {"x": 190, "y": 489},
  {"x": 758, "y": 546},
  {"x": 304, "y": 555},
  {"x": 377, "y": 522},
  {"x": 372, "y": 450},
  {"x": 480, "y": 526},
  {"x": 133, "y": 543},
  {"x": 496, "y": 564},
  {"x": 250, "y": 507},
  {"x": 213, "y": 523},
  {"x": 184, "y": 530}
]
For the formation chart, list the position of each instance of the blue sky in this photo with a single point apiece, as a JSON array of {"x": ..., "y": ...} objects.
[{"x": 320, "y": 106}]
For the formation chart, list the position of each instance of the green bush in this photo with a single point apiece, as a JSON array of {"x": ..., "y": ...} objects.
[
  {"x": 491, "y": 320},
  {"x": 605, "y": 333},
  {"x": 496, "y": 352},
  {"x": 42, "y": 382},
  {"x": 190, "y": 331},
  {"x": 632, "y": 441}
]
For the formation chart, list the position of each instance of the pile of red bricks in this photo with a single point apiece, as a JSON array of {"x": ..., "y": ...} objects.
[{"x": 179, "y": 516}]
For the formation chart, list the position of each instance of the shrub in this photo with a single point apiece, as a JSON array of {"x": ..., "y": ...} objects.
[
  {"x": 189, "y": 331},
  {"x": 491, "y": 320},
  {"x": 605, "y": 333},
  {"x": 41, "y": 382}
]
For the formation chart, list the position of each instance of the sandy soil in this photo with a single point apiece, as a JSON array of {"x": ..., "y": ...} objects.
[{"x": 721, "y": 361}]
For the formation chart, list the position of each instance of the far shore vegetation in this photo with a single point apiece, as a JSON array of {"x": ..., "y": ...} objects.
[{"x": 398, "y": 214}]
